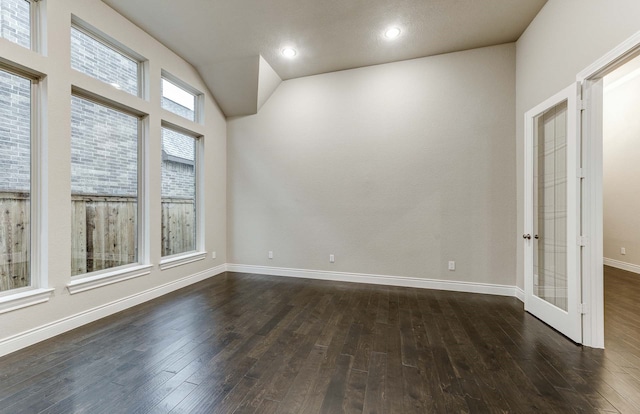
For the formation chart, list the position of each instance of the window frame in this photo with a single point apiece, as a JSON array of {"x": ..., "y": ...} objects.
[
  {"x": 199, "y": 253},
  {"x": 38, "y": 290},
  {"x": 118, "y": 47},
  {"x": 198, "y": 101},
  {"x": 38, "y": 41},
  {"x": 90, "y": 280}
]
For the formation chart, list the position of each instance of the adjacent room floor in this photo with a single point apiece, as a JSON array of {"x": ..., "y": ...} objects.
[{"x": 245, "y": 343}]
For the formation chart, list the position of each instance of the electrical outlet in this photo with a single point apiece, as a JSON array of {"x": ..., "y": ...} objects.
[
  {"x": 332, "y": 258},
  {"x": 452, "y": 265},
  {"x": 270, "y": 254},
  {"x": 623, "y": 250},
  {"x": 213, "y": 255}
]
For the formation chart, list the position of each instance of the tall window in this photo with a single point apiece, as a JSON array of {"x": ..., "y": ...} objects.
[
  {"x": 179, "y": 100},
  {"x": 99, "y": 60},
  {"x": 15, "y": 181},
  {"x": 179, "y": 190},
  {"x": 104, "y": 187},
  {"x": 15, "y": 21}
]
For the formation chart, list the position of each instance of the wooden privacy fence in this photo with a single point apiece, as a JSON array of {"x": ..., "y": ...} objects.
[
  {"x": 178, "y": 225},
  {"x": 14, "y": 241},
  {"x": 106, "y": 229},
  {"x": 103, "y": 233}
]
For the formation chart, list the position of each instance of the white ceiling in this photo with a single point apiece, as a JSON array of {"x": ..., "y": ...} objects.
[{"x": 329, "y": 35}]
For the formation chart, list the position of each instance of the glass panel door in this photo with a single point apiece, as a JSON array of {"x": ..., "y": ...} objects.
[
  {"x": 550, "y": 206},
  {"x": 552, "y": 211}
]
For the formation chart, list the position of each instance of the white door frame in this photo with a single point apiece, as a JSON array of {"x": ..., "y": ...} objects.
[{"x": 592, "y": 207}]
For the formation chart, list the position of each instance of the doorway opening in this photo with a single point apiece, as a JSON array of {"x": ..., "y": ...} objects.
[
  {"x": 621, "y": 207},
  {"x": 611, "y": 75}
]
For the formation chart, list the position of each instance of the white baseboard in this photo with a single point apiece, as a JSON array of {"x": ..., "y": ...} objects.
[
  {"x": 629, "y": 267},
  {"x": 520, "y": 294},
  {"x": 33, "y": 336},
  {"x": 469, "y": 287}
]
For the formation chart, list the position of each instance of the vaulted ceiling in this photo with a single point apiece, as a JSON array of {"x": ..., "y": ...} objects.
[{"x": 236, "y": 44}]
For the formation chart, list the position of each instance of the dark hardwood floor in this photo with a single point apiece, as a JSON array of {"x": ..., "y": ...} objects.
[{"x": 241, "y": 343}]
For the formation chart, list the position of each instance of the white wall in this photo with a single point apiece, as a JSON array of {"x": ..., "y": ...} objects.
[
  {"x": 621, "y": 172},
  {"x": 565, "y": 37},
  {"x": 395, "y": 169},
  {"x": 57, "y": 87}
]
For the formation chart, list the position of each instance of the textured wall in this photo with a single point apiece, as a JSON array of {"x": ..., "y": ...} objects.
[
  {"x": 395, "y": 169},
  {"x": 565, "y": 38}
]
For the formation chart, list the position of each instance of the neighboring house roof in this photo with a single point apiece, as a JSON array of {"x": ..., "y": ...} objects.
[{"x": 178, "y": 148}]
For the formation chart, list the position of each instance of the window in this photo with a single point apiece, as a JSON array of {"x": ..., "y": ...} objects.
[
  {"x": 179, "y": 100},
  {"x": 95, "y": 58},
  {"x": 15, "y": 21},
  {"x": 15, "y": 181},
  {"x": 179, "y": 192},
  {"x": 104, "y": 187}
]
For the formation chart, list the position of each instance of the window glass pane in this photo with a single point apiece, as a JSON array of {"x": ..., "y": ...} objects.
[
  {"x": 102, "y": 62},
  {"x": 178, "y": 192},
  {"x": 178, "y": 101},
  {"x": 15, "y": 181},
  {"x": 104, "y": 187},
  {"x": 15, "y": 21}
]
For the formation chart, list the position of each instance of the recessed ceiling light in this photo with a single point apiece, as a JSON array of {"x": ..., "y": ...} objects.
[
  {"x": 289, "y": 52},
  {"x": 392, "y": 32}
]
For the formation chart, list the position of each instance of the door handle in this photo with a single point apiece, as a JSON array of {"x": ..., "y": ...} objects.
[
  {"x": 526, "y": 236},
  {"x": 536, "y": 237}
]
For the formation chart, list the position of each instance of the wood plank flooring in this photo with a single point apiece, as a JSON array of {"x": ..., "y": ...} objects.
[{"x": 240, "y": 343}]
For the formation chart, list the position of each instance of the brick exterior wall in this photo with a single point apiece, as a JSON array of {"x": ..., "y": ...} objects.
[
  {"x": 93, "y": 58},
  {"x": 176, "y": 108},
  {"x": 14, "y": 21},
  {"x": 104, "y": 150},
  {"x": 103, "y": 141},
  {"x": 15, "y": 132},
  {"x": 178, "y": 178}
]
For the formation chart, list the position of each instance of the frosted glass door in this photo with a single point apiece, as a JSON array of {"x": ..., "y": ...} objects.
[{"x": 552, "y": 212}]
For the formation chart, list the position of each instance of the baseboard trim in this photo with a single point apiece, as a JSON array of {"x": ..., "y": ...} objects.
[
  {"x": 455, "y": 286},
  {"x": 629, "y": 267},
  {"x": 41, "y": 333},
  {"x": 520, "y": 294}
]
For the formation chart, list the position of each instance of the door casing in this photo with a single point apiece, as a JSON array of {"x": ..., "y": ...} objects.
[{"x": 591, "y": 81}]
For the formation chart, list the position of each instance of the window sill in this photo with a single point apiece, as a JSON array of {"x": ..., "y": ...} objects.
[
  {"x": 103, "y": 279},
  {"x": 170, "y": 262},
  {"x": 24, "y": 299}
]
